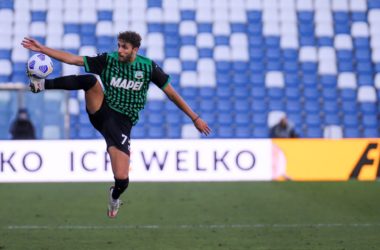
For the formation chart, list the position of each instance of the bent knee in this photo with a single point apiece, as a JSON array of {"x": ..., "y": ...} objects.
[{"x": 88, "y": 81}]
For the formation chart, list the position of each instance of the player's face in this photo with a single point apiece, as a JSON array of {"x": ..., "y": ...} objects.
[{"x": 126, "y": 51}]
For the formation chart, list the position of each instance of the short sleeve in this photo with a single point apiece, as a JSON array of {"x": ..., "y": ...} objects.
[
  {"x": 159, "y": 77},
  {"x": 95, "y": 64}
]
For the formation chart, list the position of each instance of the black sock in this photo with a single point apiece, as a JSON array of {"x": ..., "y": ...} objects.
[
  {"x": 120, "y": 187},
  {"x": 72, "y": 82}
]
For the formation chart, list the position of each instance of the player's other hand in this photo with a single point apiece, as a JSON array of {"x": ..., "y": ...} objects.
[
  {"x": 32, "y": 44},
  {"x": 202, "y": 126}
]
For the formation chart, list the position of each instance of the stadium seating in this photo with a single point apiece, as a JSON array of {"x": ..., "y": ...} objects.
[{"x": 237, "y": 62}]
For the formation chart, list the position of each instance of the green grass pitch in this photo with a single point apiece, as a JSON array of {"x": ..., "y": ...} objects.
[{"x": 228, "y": 215}]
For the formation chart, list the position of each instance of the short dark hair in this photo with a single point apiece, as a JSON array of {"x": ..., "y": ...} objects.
[{"x": 130, "y": 37}]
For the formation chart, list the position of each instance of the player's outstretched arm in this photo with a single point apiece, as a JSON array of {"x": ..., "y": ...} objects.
[
  {"x": 34, "y": 45},
  {"x": 200, "y": 124}
]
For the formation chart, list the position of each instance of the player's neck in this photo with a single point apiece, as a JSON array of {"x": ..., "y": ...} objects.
[{"x": 133, "y": 58}]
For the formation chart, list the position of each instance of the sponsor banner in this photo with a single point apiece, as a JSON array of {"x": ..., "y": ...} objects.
[
  {"x": 151, "y": 160},
  {"x": 328, "y": 160}
]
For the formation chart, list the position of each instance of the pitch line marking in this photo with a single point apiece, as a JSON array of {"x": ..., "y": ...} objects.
[{"x": 189, "y": 226}]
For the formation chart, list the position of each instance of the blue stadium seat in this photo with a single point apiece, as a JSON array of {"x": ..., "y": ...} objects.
[
  {"x": 240, "y": 66},
  {"x": 344, "y": 55},
  {"x": 325, "y": 41},
  {"x": 71, "y": 28},
  {"x": 370, "y": 121},
  {"x": 154, "y": 3},
  {"x": 222, "y": 40},
  {"x": 342, "y": 28},
  {"x": 365, "y": 80},
  {"x": 292, "y": 80},
  {"x": 293, "y": 106},
  {"x": 258, "y": 92},
  {"x": 259, "y": 119},
  {"x": 345, "y": 66},
  {"x": 225, "y": 118},
  {"x": 329, "y": 94},
  {"x": 256, "y": 52},
  {"x": 292, "y": 93},
  {"x": 205, "y": 52},
  {"x": 275, "y": 93},
  {"x": 312, "y": 106},
  {"x": 204, "y": 27},
  {"x": 350, "y": 121},
  {"x": 368, "y": 107},
  {"x": 371, "y": 133},
  {"x": 242, "y": 119},
  {"x": 88, "y": 29},
  {"x": 332, "y": 119},
  {"x": 328, "y": 80},
  {"x": 330, "y": 107},
  {"x": 311, "y": 93},
  {"x": 187, "y": 15},
  {"x": 290, "y": 67},
  {"x": 255, "y": 29},
  {"x": 224, "y": 105},
  {"x": 362, "y": 54},
  {"x": 305, "y": 17},
  {"x": 243, "y": 132},
  {"x": 174, "y": 118},
  {"x": 207, "y": 105},
  {"x": 187, "y": 40},
  {"x": 341, "y": 17},
  {"x": 238, "y": 28},
  {"x": 156, "y": 132},
  {"x": 260, "y": 132},
  {"x": 358, "y": 16},
  {"x": 296, "y": 119},
  {"x": 349, "y": 106},
  {"x": 364, "y": 68},
  {"x": 257, "y": 79},
  {"x": 256, "y": 67},
  {"x": 276, "y": 104},
  {"x": 223, "y": 66},
  {"x": 241, "y": 92},
  {"x": 254, "y": 16},
  {"x": 351, "y": 132},
  {"x": 225, "y": 131},
  {"x": 240, "y": 80},
  {"x": 139, "y": 132},
  {"x": 361, "y": 42},
  {"x": 173, "y": 132},
  {"x": 38, "y": 16},
  {"x": 313, "y": 120},
  {"x": 86, "y": 132},
  {"x": 373, "y": 4},
  {"x": 272, "y": 42},
  {"x": 105, "y": 15},
  {"x": 314, "y": 132}
]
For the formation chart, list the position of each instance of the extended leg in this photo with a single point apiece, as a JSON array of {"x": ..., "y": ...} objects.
[{"x": 93, "y": 90}]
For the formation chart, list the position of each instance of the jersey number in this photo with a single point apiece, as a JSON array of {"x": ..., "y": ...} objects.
[{"x": 125, "y": 138}]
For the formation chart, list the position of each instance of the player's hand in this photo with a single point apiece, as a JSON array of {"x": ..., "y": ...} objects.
[
  {"x": 202, "y": 126},
  {"x": 32, "y": 44}
]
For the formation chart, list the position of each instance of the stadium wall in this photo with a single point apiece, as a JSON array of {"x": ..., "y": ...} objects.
[{"x": 193, "y": 160}]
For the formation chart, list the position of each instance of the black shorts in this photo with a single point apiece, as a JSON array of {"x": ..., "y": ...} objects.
[{"x": 114, "y": 126}]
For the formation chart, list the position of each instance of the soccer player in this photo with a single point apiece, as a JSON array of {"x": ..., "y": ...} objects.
[{"x": 113, "y": 111}]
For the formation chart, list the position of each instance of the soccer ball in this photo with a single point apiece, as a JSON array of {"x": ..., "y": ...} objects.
[{"x": 39, "y": 66}]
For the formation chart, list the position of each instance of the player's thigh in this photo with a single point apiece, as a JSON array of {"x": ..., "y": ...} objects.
[
  {"x": 94, "y": 98},
  {"x": 119, "y": 162}
]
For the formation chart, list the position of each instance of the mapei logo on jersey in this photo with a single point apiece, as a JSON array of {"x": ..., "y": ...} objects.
[
  {"x": 125, "y": 84},
  {"x": 139, "y": 74}
]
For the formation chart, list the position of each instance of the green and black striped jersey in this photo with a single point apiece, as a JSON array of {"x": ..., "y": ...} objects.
[{"x": 126, "y": 84}]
